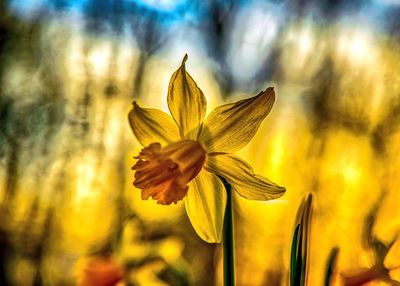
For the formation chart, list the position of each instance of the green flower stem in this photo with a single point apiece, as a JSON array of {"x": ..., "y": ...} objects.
[{"x": 228, "y": 243}]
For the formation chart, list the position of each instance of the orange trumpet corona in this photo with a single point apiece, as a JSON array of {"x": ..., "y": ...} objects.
[{"x": 164, "y": 172}]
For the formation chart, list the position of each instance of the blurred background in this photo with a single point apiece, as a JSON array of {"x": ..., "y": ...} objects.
[{"x": 69, "y": 71}]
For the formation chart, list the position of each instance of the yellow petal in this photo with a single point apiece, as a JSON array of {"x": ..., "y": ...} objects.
[
  {"x": 152, "y": 125},
  {"x": 240, "y": 175},
  {"x": 186, "y": 103},
  {"x": 231, "y": 126},
  {"x": 205, "y": 205}
]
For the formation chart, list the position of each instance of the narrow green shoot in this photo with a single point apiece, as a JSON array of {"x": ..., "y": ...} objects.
[
  {"x": 330, "y": 266},
  {"x": 300, "y": 243},
  {"x": 228, "y": 240}
]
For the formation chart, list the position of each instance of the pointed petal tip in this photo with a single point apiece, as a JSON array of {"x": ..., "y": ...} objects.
[
  {"x": 241, "y": 177},
  {"x": 185, "y": 58},
  {"x": 186, "y": 102},
  {"x": 280, "y": 188},
  {"x": 269, "y": 90},
  {"x": 268, "y": 94},
  {"x": 227, "y": 128},
  {"x": 282, "y": 191},
  {"x": 277, "y": 193},
  {"x": 135, "y": 108},
  {"x": 152, "y": 125}
]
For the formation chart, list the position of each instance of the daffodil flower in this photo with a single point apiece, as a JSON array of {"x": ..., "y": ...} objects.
[{"x": 184, "y": 155}]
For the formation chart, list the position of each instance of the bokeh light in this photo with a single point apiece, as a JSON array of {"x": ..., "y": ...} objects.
[{"x": 69, "y": 72}]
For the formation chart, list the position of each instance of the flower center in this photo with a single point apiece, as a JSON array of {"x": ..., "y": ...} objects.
[{"x": 164, "y": 172}]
